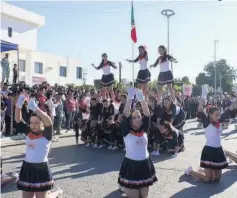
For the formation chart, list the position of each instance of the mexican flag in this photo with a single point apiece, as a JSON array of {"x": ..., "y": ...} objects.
[{"x": 133, "y": 30}]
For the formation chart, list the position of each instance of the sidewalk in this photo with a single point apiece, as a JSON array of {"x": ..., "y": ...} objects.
[{"x": 20, "y": 139}]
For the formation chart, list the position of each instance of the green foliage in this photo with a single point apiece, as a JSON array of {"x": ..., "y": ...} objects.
[{"x": 225, "y": 75}]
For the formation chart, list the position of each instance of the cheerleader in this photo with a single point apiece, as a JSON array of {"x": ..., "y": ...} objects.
[
  {"x": 165, "y": 76},
  {"x": 173, "y": 138},
  {"x": 172, "y": 113},
  {"x": 137, "y": 172},
  {"x": 107, "y": 79},
  {"x": 144, "y": 74},
  {"x": 35, "y": 178},
  {"x": 213, "y": 159}
]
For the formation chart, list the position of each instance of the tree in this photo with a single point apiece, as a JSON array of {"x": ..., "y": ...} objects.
[
  {"x": 186, "y": 80},
  {"x": 225, "y": 75}
]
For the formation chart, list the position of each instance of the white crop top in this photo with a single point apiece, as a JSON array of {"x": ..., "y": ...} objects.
[
  {"x": 38, "y": 146},
  {"x": 213, "y": 136},
  {"x": 143, "y": 63},
  {"x": 164, "y": 66},
  {"x": 136, "y": 146},
  {"x": 106, "y": 67}
]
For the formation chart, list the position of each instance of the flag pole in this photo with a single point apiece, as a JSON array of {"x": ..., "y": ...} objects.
[{"x": 133, "y": 83}]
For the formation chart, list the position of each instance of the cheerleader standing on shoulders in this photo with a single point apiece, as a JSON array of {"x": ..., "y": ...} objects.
[
  {"x": 137, "y": 172},
  {"x": 165, "y": 76},
  {"x": 144, "y": 74},
  {"x": 107, "y": 79},
  {"x": 35, "y": 178},
  {"x": 213, "y": 159}
]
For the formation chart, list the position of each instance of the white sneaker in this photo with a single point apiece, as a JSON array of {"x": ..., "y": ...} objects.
[
  {"x": 114, "y": 148},
  {"x": 101, "y": 146},
  {"x": 157, "y": 153},
  {"x": 110, "y": 147},
  {"x": 153, "y": 152},
  {"x": 188, "y": 170},
  {"x": 88, "y": 144},
  {"x": 59, "y": 190},
  {"x": 95, "y": 146}
]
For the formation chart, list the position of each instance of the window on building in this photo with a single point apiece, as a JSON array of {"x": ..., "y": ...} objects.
[
  {"x": 38, "y": 68},
  {"x": 9, "y": 32},
  {"x": 79, "y": 73},
  {"x": 22, "y": 65},
  {"x": 63, "y": 71}
]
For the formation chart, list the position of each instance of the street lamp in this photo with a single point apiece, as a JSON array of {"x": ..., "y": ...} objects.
[
  {"x": 168, "y": 13},
  {"x": 215, "y": 43}
]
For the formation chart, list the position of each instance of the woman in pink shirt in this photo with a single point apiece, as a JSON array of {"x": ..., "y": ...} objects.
[{"x": 70, "y": 105}]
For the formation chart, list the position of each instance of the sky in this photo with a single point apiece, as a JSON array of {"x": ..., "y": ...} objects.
[{"x": 85, "y": 29}]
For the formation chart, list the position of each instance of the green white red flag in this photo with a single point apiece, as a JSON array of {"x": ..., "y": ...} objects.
[{"x": 133, "y": 30}]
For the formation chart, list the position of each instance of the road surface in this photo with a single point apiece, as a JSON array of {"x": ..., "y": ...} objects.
[{"x": 84, "y": 172}]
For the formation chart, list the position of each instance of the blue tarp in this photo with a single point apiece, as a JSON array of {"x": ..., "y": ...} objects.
[{"x": 6, "y": 46}]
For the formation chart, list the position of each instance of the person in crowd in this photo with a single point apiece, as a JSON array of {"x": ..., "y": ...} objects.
[
  {"x": 172, "y": 113},
  {"x": 8, "y": 113},
  {"x": 137, "y": 171},
  {"x": 107, "y": 79},
  {"x": 35, "y": 179},
  {"x": 165, "y": 76},
  {"x": 173, "y": 138},
  {"x": 70, "y": 105},
  {"x": 144, "y": 74},
  {"x": 42, "y": 99},
  {"x": 59, "y": 114},
  {"x": 5, "y": 68},
  {"x": 213, "y": 159},
  {"x": 15, "y": 73}
]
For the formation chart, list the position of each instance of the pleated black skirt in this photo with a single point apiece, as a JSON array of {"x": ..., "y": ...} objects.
[
  {"x": 143, "y": 76},
  {"x": 213, "y": 158},
  {"x": 137, "y": 174},
  {"x": 35, "y": 177},
  {"x": 165, "y": 78},
  {"x": 107, "y": 80}
]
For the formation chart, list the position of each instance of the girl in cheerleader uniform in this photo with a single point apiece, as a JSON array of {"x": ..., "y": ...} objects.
[
  {"x": 173, "y": 138},
  {"x": 107, "y": 79},
  {"x": 213, "y": 159},
  {"x": 144, "y": 74},
  {"x": 172, "y": 113},
  {"x": 165, "y": 76},
  {"x": 35, "y": 179},
  {"x": 137, "y": 172}
]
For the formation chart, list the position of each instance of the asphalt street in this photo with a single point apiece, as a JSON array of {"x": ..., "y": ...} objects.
[{"x": 83, "y": 172}]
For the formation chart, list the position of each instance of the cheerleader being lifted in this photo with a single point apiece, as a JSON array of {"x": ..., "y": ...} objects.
[
  {"x": 165, "y": 76},
  {"x": 107, "y": 79}
]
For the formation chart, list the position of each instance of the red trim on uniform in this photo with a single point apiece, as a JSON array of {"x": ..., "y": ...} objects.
[
  {"x": 32, "y": 136},
  {"x": 137, "y": 134}
]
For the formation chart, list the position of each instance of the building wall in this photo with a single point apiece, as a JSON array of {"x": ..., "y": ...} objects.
[
  {"x": 51, "y": 68},
  {"x": 26, "y": 40}
]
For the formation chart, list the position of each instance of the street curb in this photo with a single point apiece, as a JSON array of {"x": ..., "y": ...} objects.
[{"x": 22, "y": 142}]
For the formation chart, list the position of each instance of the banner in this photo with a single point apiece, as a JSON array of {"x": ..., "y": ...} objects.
[
  {"x": 205, "y": 91},
  {"x": 187, "y": 90}
]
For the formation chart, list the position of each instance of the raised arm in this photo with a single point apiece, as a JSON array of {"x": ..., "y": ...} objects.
[
  {"x": 98, "y": 67},
  {"x": 172, "y": 59},
  {"x": 133, "y": 61},
  {"x": 112, "y": 65},
  {"x": 156, "y": 63},
  {"x": 43, "y": 116},
  {"x": 19, "y": 104}
]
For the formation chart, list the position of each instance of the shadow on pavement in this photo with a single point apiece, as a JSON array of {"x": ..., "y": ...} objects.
[
  {"x": 225, "y": 135},
  {"x": 115, "y": 194},
  {"x": 207, "y": 190}
]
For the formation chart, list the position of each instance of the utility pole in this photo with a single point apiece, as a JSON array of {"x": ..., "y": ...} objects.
[
  {"x": 120, "y": 72},
  {"x": 84, "y": 76},
  {"x": 215, "y": 43}
]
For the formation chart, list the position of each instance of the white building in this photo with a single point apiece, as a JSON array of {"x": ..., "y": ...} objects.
[{"x": 19, "y": 26}]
